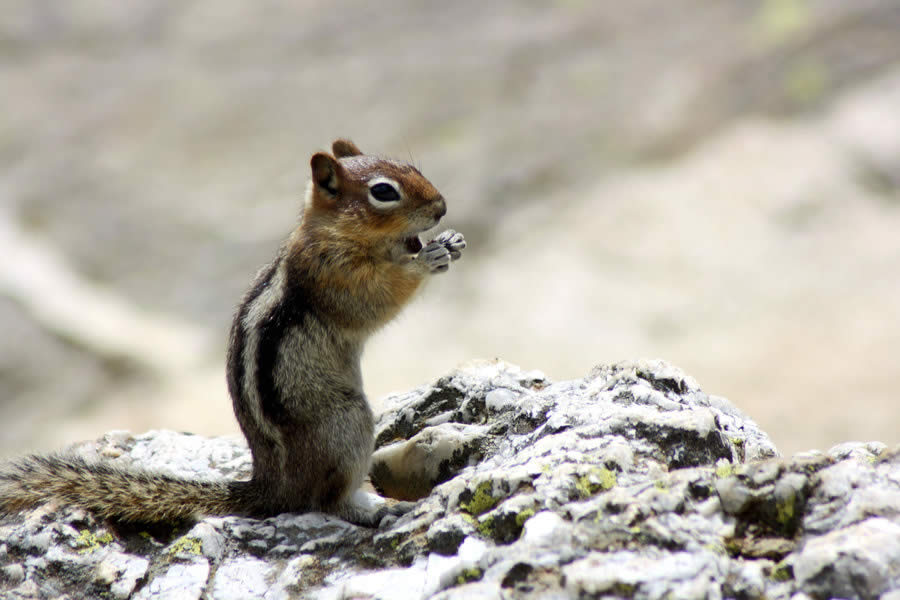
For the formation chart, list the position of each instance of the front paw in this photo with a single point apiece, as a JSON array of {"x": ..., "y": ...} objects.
[
  {"x": 434, "y": 257},
  {"x": 453, "y": 241}
]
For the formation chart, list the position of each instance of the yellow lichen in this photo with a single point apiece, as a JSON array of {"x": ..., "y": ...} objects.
[
  {"x": 524, "y": 516},
  {"x": 486, "y": 527},
  {"x": 88, "y": 541},
  {"x": 724, "y": 469},
  {"x": 186, "y": 545},
  {"x": 469, "y": 519},
  {"x": 482, "y": 500},
  {"x": 782, "y": 572},
  {"x": 594, "y": 481},
  {"x": 607, "y": 479},
  {"x": 785, "y": 510},
  {"x": 468, "y": 575}
]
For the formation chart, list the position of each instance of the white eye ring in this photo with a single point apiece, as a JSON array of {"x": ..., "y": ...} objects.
[{"x": 384, "y": 192}]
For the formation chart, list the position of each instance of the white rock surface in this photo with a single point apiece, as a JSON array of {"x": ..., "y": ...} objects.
[{"x": 631, "y": 482}]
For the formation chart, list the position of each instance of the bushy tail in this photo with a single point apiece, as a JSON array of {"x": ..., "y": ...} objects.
[{"x": 117, "y": 493}]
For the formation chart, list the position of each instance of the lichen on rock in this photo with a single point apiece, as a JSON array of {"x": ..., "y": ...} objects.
[{"x": 629, "y": 482}]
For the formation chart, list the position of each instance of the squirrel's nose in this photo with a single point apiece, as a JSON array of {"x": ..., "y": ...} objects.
[{"x": 441, "y": 208}]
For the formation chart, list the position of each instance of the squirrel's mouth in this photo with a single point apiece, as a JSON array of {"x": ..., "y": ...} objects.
[{"x": 412, "y": 244}]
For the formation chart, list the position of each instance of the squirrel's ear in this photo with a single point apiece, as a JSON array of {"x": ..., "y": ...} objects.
[
  {"x": 344, "y": 147},
  {"x": 325, "y": 172}
]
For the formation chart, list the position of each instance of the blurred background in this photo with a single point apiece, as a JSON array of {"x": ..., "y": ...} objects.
[{"x": 711, "y": 182}]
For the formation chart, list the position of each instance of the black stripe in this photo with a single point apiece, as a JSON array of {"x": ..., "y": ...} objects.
[
  {"x": 235, "y": 358},
  {"x": 293, "y": 310}
]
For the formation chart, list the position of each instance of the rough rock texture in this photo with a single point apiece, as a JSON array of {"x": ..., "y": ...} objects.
[{"x": 631, "y": 482}]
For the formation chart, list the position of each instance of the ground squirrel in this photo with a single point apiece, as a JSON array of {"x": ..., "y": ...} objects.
[{"x": 293, "y": 366}]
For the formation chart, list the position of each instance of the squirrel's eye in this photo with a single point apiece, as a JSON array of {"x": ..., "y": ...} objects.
[{"x": 384, "y": 192}]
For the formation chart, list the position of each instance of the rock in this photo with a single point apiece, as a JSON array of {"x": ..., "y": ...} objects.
[
  {"x": 121, "y": 573},
  {"x": 859, "y": 561},
  {"x": 630, "y": 482},
  {"x": 13, "y": 574},
  {"x": 409, "y": 469},
  {"x": 243, "y": 577},
  {"x": 183, "y": 580}
]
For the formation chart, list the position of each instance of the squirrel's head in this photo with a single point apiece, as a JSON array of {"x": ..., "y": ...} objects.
[{"x": 370, "y": 196}]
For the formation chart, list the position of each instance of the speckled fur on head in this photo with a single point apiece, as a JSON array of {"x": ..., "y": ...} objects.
[{"x": 339, "y": 188}]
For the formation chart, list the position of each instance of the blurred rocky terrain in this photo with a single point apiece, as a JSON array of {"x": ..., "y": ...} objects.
[{"x": 716, "y": 183}]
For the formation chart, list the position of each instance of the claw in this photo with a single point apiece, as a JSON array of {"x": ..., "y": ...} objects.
[{"x": 453, "y": 241}]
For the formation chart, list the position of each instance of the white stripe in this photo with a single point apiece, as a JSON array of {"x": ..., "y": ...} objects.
[{"x": 258, "y": 310}]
